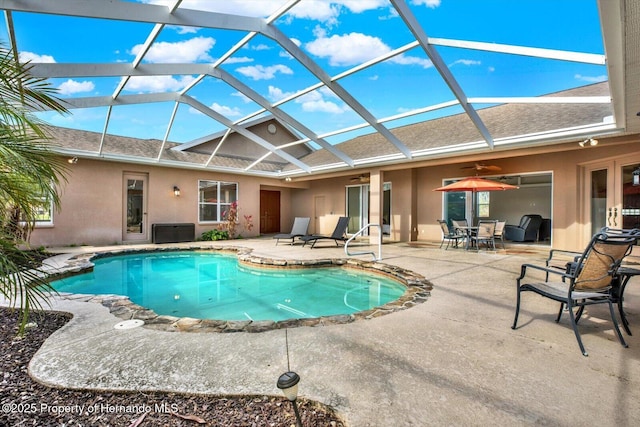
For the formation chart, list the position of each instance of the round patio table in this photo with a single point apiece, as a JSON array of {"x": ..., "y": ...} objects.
[{"x": 624, "y": 275}]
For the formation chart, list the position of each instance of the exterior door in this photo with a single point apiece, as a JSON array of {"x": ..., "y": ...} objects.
[
  {"x": 135, "y": 226},
  {"x": 357, "y": 207},
  {"x": 269, "y": 211},
  {"x": 613, "y": 194},
  {"x": 318, "y": 212}
]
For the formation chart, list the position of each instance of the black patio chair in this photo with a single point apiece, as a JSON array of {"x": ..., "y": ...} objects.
[
  {"x": 586, "y": 281},
  {"x": 299, "y": 229},
  {"x": 449, "y": 236},
  {"x": 339, "y": 233}
]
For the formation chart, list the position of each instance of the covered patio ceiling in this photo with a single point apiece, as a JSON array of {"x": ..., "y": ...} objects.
[{"x": 330, "y": 71}]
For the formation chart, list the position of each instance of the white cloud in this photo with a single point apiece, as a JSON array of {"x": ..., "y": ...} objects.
[
  {"x": 254, "y": 8},
  {"x": 225, "y": 111},
  {"x": 157, "y": 83},
  {"x": 192, "y": 50},
  {"x": 242, "y": 96},
  {"x": 183, "y": 30},
  {"x": 260, "y": 72},
  {"x": 325, "y": 91},
  {"x": 259, "y": 47},
  {"x": 316, "y": 10},
  {"x": 591, "y": 79},
  {"x": 71, "y": 86},
  {"x": 329, "y": 11},
  {"x": 238, "y": 60},
  {"x": 322, "y": 106},
  {"x": 412, "y": 60},
  {"x": 310, "y": 102},
  {"x": 359, "y": 6},
  {"x": 324, "y": 11},
  {"x": 314, "y": 102},
  {"x": 466, "y": 62},
  {"x": 357, "y": 48},
  {"x": 348, "y": 49},
  {"x": 277, "y": 94},
  {"x": 429, "y": 3},
  {"x": 34, "y": 57}
]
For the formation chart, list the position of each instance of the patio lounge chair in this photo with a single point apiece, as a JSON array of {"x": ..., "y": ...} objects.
[
  {"x": 299, "y": 229},
  {"x": 338, "y": 235},
  {"x": 586, "y": 281}
]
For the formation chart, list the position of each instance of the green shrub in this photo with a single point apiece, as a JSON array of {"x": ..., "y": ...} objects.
[{"x": 215, "y": 235}]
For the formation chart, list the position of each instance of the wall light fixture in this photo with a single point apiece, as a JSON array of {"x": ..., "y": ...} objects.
[
  {"x": 590, "y": 141},
  {"x": 176, "y": 191}
]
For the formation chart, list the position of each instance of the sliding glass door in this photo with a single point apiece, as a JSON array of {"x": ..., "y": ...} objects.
[{"x": 357, "y": 207}]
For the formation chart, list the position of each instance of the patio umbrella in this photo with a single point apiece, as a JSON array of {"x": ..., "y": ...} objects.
[{"x": 475, "y": 184}]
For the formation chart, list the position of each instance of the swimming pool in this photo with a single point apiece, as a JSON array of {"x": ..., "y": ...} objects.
[{"x": 209, "y": 285}]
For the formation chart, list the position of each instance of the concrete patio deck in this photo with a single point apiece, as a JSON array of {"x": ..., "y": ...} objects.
[{"x": 453, "y": 360}]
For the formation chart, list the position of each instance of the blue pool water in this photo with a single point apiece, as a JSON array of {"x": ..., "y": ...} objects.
[{"x": 214, "y": 286}]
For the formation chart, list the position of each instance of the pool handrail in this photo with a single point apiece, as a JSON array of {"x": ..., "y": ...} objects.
[{"x": 373, "y": 254}]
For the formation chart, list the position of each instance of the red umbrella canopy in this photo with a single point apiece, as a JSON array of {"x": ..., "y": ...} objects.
[{"x": 476, "y": 184}]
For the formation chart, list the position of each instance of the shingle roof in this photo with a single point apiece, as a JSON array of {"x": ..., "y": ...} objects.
[
  {"x": 503, "y": 121},
  {"x": 143, "y": 150}
]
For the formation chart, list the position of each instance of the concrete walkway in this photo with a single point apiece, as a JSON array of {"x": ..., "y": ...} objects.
[{"x": 453, "y": 360}]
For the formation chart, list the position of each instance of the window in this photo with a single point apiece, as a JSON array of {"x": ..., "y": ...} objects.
[
  {"x": 215, "y": 199},
  {"x": 43, "y": 213},
  {"x": 483, "y": 204}
]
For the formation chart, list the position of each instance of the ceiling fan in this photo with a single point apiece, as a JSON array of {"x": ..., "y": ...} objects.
[
  {"x": 361, "y": 178},
  {"x": 481, "y": 167}
]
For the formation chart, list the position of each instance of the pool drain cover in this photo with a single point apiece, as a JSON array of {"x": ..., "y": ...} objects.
[{"x": 129, "y": 324}]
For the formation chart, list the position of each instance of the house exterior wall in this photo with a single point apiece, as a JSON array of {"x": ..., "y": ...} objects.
[
  {"x": 91, "y": 210},
  {"x": 401, "y": 206},
  {"x": 92, "y": 200},
  {"x": 568, "y": 198}
]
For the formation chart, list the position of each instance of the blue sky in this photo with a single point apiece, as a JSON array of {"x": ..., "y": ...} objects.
[{"x": 337, "y": 35}]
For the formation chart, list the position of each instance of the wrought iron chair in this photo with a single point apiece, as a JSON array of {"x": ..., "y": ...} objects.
[
  {"x": 450, "y": 236},
  {"x": 586, "y": 281}
]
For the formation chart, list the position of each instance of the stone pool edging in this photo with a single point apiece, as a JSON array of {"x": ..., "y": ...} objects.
[{"x": 418, "y": 291}]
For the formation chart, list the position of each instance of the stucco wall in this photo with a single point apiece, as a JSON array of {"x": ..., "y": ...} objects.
[
  {"x": 567, "y": 202},
  {"x": 92, "y": 202}
]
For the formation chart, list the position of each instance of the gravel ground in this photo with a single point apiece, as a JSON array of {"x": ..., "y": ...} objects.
[{"x": 28, "y": 403}]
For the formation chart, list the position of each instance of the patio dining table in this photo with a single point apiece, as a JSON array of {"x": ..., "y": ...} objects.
[
  {"x": 624, "y": 274},
  {"x": 468, "y": 231}
]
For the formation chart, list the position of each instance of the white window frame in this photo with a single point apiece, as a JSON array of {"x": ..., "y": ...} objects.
[
  {"x": 43, "y": 223},
  {"x": 221, "y": 207}
]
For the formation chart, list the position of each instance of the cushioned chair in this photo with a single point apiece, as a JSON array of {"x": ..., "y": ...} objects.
[
  {"x": 484, "y": 234},
  {"x": 586, "y": 281},
  {"x": 526, "y": 231},
  {"x": 499, "y": 233}
]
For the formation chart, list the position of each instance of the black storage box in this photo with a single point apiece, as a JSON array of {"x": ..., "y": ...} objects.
[{"x": 173, "y": 233}]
